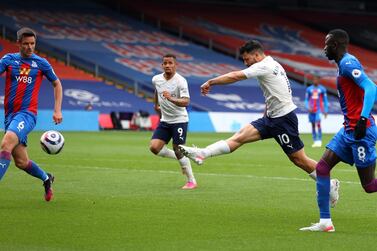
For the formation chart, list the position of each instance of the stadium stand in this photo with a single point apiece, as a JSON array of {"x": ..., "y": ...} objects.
[
  {"x": 355, "y": 24},
  {"x": 225, "y": 27},
  {"x": 131, "y": 51},
  {"x": 63, "y": 71},
  {"x": 128, "y": 52}
]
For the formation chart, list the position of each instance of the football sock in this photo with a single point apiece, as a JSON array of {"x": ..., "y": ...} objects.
[
  {"x": 319, "y": 134},
  {"x": 217, "y": 148},
  {"x": 186, "y": 167},
  {"x": 323, "y": 189},
  {"x": 314, "y": 134},
  {"x": 371, "y": 187},
  {"x": 34, "y": 170},
  {"x": 166, "y": 152},
  {"x": 313, "y": 175},
  {"x": 327, "y": 221},
  {"x": 4, "y": 162}
]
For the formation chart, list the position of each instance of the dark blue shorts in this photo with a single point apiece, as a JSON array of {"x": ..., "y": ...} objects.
[
  {"x": 166, "y": 131},
  {"x": 283, "y": 129},
  {"x": 361, "y": 152}
]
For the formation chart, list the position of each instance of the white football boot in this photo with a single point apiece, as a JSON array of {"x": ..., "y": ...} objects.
[
  {"x": 319, "y": 227},
  {"x": 193, "y": 153}
]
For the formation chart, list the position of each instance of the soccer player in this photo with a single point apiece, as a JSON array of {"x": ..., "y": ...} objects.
[
  {"x": 355, "y": 142},
  {"x": 279, "y": 121},
  {"x": 171, "y": 99},
  {"x": 316, "y": 103},
  {"x": 24, "y": 73}
]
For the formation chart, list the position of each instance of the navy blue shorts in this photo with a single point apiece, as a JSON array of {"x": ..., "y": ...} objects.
[
  {"x": 166, "y": 131},
  {"x": 283, "y": 129}
]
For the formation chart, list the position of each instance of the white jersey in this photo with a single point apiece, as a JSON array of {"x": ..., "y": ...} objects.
[
  {"x": 275, "y": 86},
  {"x": 178, "y": 88}
]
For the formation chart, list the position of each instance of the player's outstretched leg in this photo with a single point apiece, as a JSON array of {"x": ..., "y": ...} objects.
[
  {"x": 198, "y": 155},
  {"x": 48, "y": 187},
  {"x": 193, "y": 153}
]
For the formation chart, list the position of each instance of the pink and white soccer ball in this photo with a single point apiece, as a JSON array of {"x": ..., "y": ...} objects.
[{"x": 52, "y": 142}]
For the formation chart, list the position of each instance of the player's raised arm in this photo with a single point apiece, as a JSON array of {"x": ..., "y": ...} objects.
[
  {"x": 58, "y": 96},
  {"x": 227, "y": 78}
]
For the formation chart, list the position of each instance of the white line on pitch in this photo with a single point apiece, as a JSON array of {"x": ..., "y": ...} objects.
[{"x": 204, "y": 174}]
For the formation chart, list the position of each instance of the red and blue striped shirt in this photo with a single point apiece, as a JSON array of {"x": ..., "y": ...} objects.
[
  {"x": 351, "y": 94},
  {"x": 316, "y": 99},
  {"x": 23, "y": 81}
]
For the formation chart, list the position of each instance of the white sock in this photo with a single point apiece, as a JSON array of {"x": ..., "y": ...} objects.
[
  {"x": 186, "y": 168},
  {"x": 166, "y": 152},
  {"x": 217, "y": 148},
  {"x": 313, "y": 175},
  {"x": 325, "y": 221}
]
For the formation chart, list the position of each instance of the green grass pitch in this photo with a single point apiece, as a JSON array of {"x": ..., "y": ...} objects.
[{"x": 111, "y": 193}]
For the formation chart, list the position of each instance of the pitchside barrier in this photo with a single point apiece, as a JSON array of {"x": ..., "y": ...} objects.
[
  {"x": 233, "y": 121},
  {"x": 199, "y": 121},
  {"x": 72, "y": 121}
]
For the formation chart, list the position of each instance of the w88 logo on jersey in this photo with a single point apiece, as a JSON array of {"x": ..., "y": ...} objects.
[{"x": 24, "y": 79}]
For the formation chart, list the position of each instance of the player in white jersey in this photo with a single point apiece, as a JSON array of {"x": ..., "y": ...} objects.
[
  {"x": 279, "y": 122},
  {"x": 171, "y": 99}
]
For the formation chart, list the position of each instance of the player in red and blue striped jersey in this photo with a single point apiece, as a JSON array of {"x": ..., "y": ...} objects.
[
  {"x": 24, "y": 74},
  {"x": 355, "y": 142},
  {"x": 316, "y": 103}
]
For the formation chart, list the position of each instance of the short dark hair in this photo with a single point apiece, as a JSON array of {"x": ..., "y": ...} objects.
[
  {"x": 340, "y": 36},
  {"x": 25, "y": 32},
  {"x": 169, "y": 55},
  {"x": 251, "y": 46}
]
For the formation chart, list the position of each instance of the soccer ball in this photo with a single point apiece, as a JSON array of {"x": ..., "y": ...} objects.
[{"x": 52, "y": 142}]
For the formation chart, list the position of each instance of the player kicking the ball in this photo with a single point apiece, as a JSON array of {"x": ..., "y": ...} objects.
[
  {"x": 279, "y": 122},
  {"x": 171, "y": 99},
  {"x": 24, "y": 73}
]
